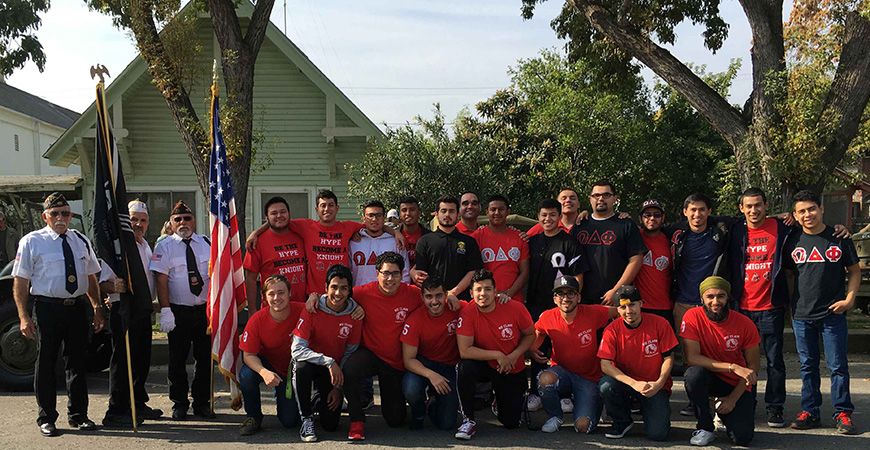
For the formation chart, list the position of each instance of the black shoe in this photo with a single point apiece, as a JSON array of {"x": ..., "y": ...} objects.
[
  {"x": 121, "y": 420},
  {"x": 416, "y": 424},
  {"x": 618, "y": 430},
  {"x": 774, "y": 418},
  {"x": 83, "y": 424},
  {"x": 48, "y": 429},
  {"x": 204, "y": 411},
  {"x": 147, "y": 412},
  {"x": 179, "y": 414},
  {"x": 805, "y": 421}
]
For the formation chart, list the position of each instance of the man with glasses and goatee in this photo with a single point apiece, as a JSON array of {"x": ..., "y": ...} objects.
[
  {"x": 180, "y": 266},
  {"x": 57, "y": 266}
]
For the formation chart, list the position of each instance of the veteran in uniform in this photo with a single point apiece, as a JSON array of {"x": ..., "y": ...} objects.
[
  {"x": 180, "y": 266},
  {"x": 119, "y": 414},
  {"x": 58, "y": 267}
]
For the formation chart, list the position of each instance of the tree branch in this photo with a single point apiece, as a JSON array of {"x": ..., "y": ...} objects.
[{"x": 257, "y": 27}]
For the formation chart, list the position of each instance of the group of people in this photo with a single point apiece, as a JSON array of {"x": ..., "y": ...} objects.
[{"x": 604, "y": 309}]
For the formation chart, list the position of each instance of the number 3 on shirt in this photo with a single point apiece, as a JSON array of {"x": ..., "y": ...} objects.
[{"x": 405, "y": 330}]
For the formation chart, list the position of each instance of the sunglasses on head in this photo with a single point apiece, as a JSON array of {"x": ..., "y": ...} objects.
[
  {"x": 179, "y": 219},
  {"x": 54, "y": 214}
]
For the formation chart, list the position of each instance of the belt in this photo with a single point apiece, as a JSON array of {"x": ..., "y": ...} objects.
[{"x": 61, "y": 301}]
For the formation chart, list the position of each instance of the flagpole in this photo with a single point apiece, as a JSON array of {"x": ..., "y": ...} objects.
[{"x": 215, "y": 90}]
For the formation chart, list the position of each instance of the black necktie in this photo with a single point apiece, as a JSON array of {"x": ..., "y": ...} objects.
[
  {"x": 69, "y": 263},
  {"x": 193, "y": 277}
]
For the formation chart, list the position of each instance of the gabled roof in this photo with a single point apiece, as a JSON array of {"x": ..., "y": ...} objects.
[
  {"x": 33, "y": 106},
  {"x": 60, "y": 154}
]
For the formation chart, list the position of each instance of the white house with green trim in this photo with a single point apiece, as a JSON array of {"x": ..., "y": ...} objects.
[{"x": 312, "y": 128}]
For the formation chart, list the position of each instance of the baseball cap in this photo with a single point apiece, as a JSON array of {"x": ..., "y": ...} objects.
[
  {"x": 626, "y": 294},
  {"x": 393, "y": 214},
  {"x": 566, "y": 282},
  {"x": 651, "y": 203}
]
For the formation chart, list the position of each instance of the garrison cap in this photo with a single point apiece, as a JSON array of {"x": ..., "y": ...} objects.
[
  {"x": 54, "y": 200},
  {"x": 180, "y": 208}
]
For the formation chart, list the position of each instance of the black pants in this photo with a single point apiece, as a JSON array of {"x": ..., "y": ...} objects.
[
  {"x": 363, "y": 364},
  {"x": 56, "y": 324},
  {"x": 509, "y": 389},
  {"x": 701, "y": 384},
  {"x": 140, "y": 349},
  {"x": 191, "y": 324},
  {"x": 304, "y": 375},
  {"x": 546, "y": 347}
]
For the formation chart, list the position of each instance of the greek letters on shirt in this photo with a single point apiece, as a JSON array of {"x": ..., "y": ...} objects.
[
  {"x": 360, "y": 259},
  {"x": 800, "y": 255},
  {"x": 489, "y": 255},
  {"x": 606, "y": 238},
  {"x": 661, "y": 263}
]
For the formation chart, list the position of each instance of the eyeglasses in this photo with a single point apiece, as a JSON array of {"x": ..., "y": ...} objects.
[
  {"x": 605, "y": 195},
  {"x": 179, "y": 219},
  {"x": 570, "y": 295},
  {"x": 54, "y": 214},
  {"x": 388, "y": 274},
  {"x": 652, "y": 215},
  {"x": 375, "y": 215}
]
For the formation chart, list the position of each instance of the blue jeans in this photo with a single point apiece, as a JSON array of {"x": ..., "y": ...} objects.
[
  {"x": 249, "y": 384},
  {"x": 770, "y": 326},
  {"x": 835, "y": 337},
  {"x": 587, "y": 400},
  {"x": 656, "y": 410},
  {"x": 442, "y": 408}
]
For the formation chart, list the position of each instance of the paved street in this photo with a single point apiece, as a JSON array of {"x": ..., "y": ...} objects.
[{"x": 19, "y": 431}]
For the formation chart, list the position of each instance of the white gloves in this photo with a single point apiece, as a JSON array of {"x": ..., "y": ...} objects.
[{"x": 167, "y": 320}]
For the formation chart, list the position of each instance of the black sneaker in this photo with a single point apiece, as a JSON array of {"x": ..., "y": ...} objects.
[
  {"x": 82, "y": 423},
  {"x": 774, "y": 418},
  {"x": 618, "y": 430},
  {"x": 688, "y": 410},
  {"x": 843, "y": 421},
  {"x": 306, "y": 432},
  {"x": 805, "y": 421}
]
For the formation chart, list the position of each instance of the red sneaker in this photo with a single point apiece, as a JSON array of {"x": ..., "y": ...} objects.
[
  {"x": 357, "y": 431},
  {"x": 843, "y": 421}
]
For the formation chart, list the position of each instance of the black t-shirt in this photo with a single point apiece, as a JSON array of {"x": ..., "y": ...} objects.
[
  {"x": 819, "y": 263},
  {"x": 448, "y": 256},
  {"x": 609, "y": 244},
  {"x": 550, "y": 258}
]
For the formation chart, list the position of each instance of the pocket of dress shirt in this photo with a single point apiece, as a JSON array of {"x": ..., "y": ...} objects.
[
  {"x": 202, "y": 261},
  {"x": 178, "y": 266},
  {"x": 54, "y": 265}
]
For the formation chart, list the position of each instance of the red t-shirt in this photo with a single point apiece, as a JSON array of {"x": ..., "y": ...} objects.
[
  {"x": 327, "y": 333},
  {"x": 463, "y": 229},
  {"x": 280, "y": 254},
  {"x": 724, "y": 341},
  {"x": 654, "y": 279},
  {"x": 271, "y": 340},
  {"x": 538, "y": 229},
  {"x": 760, "y": 249},
  {"x": 499, "y": 329},
  {"x": 385, "y": 318},
  {"x": 434, "y": 337},
  {"x": 638, "y": 352},
  {"x": 411, "y": 244},
  {"x": 575, "y": 344},
  {"x": 501, "y": 255},
  {"x": 324, "y": 247}
]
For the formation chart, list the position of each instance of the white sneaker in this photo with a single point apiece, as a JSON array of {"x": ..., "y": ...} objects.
[
  {"x": 552, "y": 425},
  {"x": 534, "y": 403},
  {"x": 466, "y": 430},
  {"x": 567, "y": 405},
  {"x": 702, "y": 438}
]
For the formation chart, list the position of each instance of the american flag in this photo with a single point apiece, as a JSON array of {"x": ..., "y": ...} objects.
[{"x": 226, "y": 293}]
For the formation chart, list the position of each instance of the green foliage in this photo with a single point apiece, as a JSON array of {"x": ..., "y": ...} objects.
[{"x": 19, "y": 20}]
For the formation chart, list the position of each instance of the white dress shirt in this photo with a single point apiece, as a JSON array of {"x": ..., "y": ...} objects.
[
  {"x": 107, "y": 274},
  {"x": 170, "y": 258},
  {"x": 40, "y": 260}
]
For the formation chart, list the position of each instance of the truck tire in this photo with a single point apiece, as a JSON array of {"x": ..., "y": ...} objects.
[{"x": 17, "y": 353}]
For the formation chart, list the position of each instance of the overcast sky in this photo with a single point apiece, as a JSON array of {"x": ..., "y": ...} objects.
[{"x": 393, "y": 59}]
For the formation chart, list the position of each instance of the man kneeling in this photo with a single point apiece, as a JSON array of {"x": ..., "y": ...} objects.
[{"x": 265, "y": 342}]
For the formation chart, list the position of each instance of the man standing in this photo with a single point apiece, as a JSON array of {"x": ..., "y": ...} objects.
[
  {"x": 409, "y": 210},
  {"x": 57, "y": 266},
  {"x": 119, "y": 413},
  {"x": 280, "y": 252},
  {"x": 725, "y": 344},
  {"x": 573, "y": 330},
  {"x": 8, "y": 241},
  {"x": 503, "y": 251},
  {"x": 430, "y": 354},
  {"x": 180, "y": 263},
  {"x": 268, "y": 334},
  {"x": 654, "y": 279},
  {"x": 570, "y": 210},
  {"x": 819, "y": 303},
  {"x": 614, "y": 246},
  {"x": 469, "y": 211},
  {"x": 448, "y": 254},
  {"x": 373, "y": 242},
  {"x": 636, "y": 359}
]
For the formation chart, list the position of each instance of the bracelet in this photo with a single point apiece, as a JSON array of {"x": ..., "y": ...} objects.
[{"x": 730, "y": 368}]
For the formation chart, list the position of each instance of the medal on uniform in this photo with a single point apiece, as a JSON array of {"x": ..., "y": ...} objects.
[
  {"x": 71, "y": 278},
  {"x": 194, "y": 281}
]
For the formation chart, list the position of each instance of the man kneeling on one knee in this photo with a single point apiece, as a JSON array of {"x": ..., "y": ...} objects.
[{"x": 723, "y": 355}]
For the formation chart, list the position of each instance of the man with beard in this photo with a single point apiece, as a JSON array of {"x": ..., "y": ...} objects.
[
  {"x": 818, "y": 261},
  {"x": 721, "y": 348},
  {"x": 492, "y": 340},
  {"x": 268, "y": 334},
  {"x": 469, "y": 211},
  {"x": 503, "y": 251},
  {"x": 448, "y": 254},
  {"x": 654, "y": 279},
  {"x": 570, "y": 210},
  {"x": 613, "y": 244},
  {"x": 372, "y": 243},
  {"x": 119, "y": 413},
  {"x": 279, "y": 251},
  {"x": 409, "y": 212},
  {"x": 430, "y": 355},
  {"x": 636, "y": 359},
  {"x": 572, "y": 329},
  {"x": 180, "y": 263}
]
